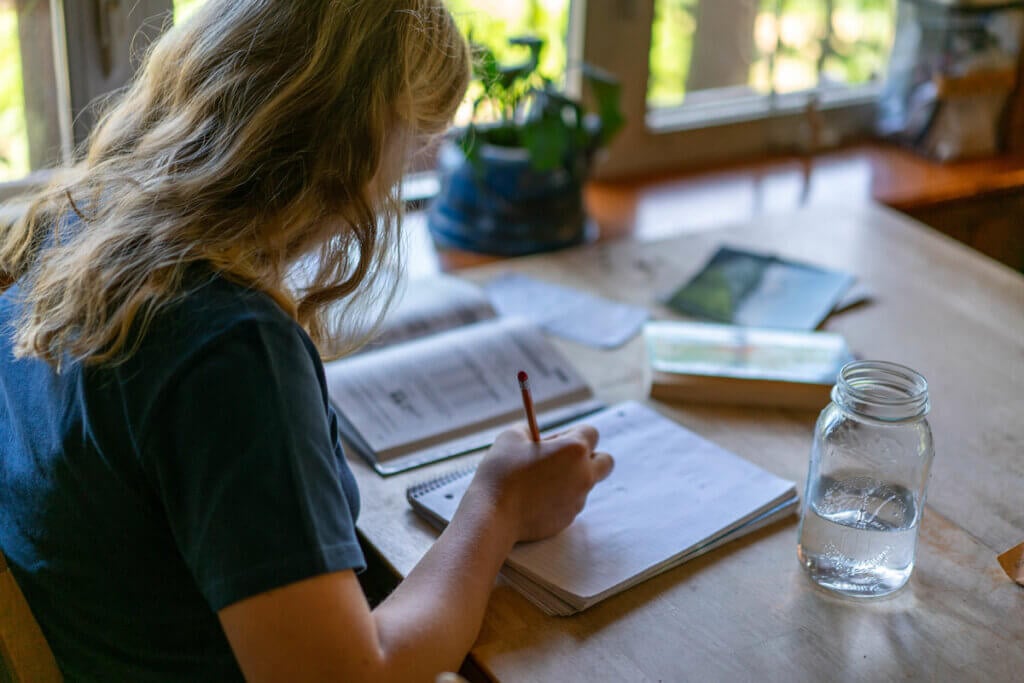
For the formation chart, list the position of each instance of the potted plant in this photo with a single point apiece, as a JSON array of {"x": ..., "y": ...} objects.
[{"x": 512, "y": 179}]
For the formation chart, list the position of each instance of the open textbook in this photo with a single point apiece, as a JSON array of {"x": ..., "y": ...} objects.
[
  {"x": 671, "y": 497},
  {"x": 444, "y": 383}
]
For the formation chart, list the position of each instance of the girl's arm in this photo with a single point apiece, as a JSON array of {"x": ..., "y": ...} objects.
[{"x": 322, "y": 629}]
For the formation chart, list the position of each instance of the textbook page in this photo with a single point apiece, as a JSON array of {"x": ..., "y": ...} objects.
[{"x": 452, "y": 387}]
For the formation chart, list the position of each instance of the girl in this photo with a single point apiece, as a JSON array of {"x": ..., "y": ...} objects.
[{"x": 173, "y": 497}]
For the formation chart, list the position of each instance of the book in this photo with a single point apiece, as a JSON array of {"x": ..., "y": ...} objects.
[
  {"x": 710, "y": 363},
  {"x": 445, "y": 383},
  {"x": 761, "y": 290},
  {"x": 671, "y": 496}
]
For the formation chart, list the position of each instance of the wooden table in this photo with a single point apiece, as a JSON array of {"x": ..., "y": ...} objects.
[{"x": 746, "y": 611}]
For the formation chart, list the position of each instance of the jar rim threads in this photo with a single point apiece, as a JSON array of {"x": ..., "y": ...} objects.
[{"x": 882, "y": 390}]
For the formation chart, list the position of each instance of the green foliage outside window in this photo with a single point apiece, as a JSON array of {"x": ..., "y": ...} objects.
[
  {"x": 790, "y": 40},
  {"x": 184, "y": 8},
  {"x": 13, "y": 136}
]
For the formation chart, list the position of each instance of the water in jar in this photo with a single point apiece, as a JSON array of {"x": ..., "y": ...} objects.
[{"x": 859, "y": 535}]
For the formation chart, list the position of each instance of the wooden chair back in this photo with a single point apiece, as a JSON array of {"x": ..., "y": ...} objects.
[{"x": 25, "y": 657}]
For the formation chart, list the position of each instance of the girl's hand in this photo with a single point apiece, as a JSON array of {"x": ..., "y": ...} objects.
[{"x": 539, "y": 488}]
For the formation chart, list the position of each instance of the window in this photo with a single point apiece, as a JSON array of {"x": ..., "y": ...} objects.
[
  {"x": 184, "y": 8},
  {"x": 757, "y": 48},
  {"x": 58, "y": 58},
  {"x": 702, "y": 80},
  {"x": 14, "y": 161},
  {"x": 30, "y": 100},
  {"x": 705, "y": 80}
]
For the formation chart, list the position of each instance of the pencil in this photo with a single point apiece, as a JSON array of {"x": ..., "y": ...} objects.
[{"x": 531, "y": 417}]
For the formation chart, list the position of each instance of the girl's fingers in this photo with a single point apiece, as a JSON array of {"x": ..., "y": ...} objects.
[{"x": 603, "y": 464}]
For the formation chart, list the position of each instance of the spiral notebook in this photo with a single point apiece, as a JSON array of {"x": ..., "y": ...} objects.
[{"x": 671, "y": 497}]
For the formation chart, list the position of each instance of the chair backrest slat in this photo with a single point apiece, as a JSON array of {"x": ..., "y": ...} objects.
[{"x": 25, "y": 656}]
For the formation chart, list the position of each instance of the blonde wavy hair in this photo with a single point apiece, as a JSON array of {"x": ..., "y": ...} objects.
[{"x": 255, "y": 139}]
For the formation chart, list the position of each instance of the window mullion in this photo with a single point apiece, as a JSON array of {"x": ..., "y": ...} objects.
[
  {"x": 62, "y": 83},
  {"x": 617, "y": 38},
  {"x": 42, "y": 105},
  {"x": 826, "y": 39}
]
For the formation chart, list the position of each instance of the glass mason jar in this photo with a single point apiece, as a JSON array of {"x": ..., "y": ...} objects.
[{"x": 869, "y": 469}]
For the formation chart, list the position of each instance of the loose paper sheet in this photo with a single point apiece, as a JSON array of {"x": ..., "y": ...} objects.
[{"x": 567, "y": 313}]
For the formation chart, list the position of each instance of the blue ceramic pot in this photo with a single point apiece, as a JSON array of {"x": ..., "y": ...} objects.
[{"x": 502, "y": 205}]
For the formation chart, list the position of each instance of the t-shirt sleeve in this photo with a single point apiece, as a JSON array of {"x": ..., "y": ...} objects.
[{"x": 246, "y": 467}]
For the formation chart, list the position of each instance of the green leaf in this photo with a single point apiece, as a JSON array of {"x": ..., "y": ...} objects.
[
  {"x": 509, "y": 75},
  {"x": 503, "y": 135},
  {"x": 485, "y": 65},
  {"x": 477, "y": 102},
  {"x": 608, "y": 93},
  {"x": 533, "y": 42},
  {"x": 547, "y": 141},
  {"x": 468, "y": 143}
]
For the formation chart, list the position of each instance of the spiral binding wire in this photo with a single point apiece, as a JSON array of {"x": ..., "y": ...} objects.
[{"x": 417, "y": 490}]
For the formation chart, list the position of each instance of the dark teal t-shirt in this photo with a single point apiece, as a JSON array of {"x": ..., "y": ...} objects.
[{"x": 137, "y": 500}]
